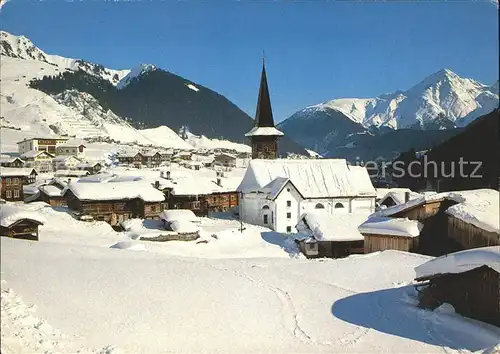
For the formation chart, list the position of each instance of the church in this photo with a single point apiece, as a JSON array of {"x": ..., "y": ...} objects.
[{"x": 275, "y": 192}]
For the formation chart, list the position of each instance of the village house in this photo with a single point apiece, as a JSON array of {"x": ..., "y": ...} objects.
[
  {"x": 13, "y": 180},
  {"x": 225, "y": 159},
  {"x": 131, "y": 158},
  {"x": 274, "y": 193},
  {"x": 64, "y": 162},
  {"x": 71, "y": 149},
  {"x": 468, "y": 280},
  {"x": 11, "y": 162},
  {"x": 202, "y": 196},
  {"x": 114, "y": 202},
  {"x": 39, "y": 160},
  {"x": 333, "y": 236},
  {"x": 92, "y": 167},
  {"x": 151, "y": 158},
  {"x": 40, "y": 144},
  {"x": 17, "y": 222},
  {"x": 383, "y": 233}
]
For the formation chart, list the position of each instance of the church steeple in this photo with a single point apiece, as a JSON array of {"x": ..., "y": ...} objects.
[
  {"x": 264, "y": 113},
  {"x": 264, "y": 135}
]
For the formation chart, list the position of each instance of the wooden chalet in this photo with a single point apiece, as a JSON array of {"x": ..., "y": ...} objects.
[
  {"x": 91, "y": 167},
  {"x": 114, "y": 202},
  {"x": 13, "y": 180},
  {"x": 16, "y": 222},
  {"x": 468, "y": 280},
  {"x": 51, "y": 194},
  {"x": 383, "y": 233},
  {"x": 14, "y": 162},
  {"x": 203, "y": 197},
  {"x": 225, "y": 159}
]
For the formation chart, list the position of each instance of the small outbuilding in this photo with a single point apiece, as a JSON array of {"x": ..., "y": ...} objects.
[
  {"x": 384, "y": 233},
  {"x": 18, "y": 222},
  {"x": 331, "y": 236},
  {"x": 468, "y": 280}
]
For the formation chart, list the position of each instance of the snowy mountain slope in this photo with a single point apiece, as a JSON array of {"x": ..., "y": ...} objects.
[
  {"x": 70, "y": 113},
  {"x": 22, "y": 48},
  {"x": 460, "y": 100}
]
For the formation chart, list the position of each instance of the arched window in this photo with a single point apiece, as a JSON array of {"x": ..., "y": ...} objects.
[
  {"x": 319, "y": 206},
  {"x": 339, "y": 205},
  {"x": 265, "y": 207}
]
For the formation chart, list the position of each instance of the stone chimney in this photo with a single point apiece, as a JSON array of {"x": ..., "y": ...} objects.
[
  {"x": 219, "y": 181},
  {"x": 157, "y": 184},
  {"x": 407, "y": 197}
]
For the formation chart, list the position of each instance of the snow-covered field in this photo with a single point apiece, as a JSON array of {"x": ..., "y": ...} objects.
[{"x": 239, "y": 293}]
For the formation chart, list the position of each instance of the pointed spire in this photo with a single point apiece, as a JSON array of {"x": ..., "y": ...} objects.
[{"x": 264, "y": 114}]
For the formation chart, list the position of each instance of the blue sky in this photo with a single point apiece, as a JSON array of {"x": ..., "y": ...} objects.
[{"x": 315, "y": 50}]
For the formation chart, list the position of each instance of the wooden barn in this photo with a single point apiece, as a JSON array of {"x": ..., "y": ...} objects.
[
  {"x": 15, "y": 162},
  {"x": 114, "y": 202},
  {"x": 52, "y": 195},
  {"x": 468, "y": 280},
  {"x": 322, "y": 235},
  {"x": 384, "y": 233},
  {"x": 453, "y": 221},
  {"x": 17, "y": 222}
]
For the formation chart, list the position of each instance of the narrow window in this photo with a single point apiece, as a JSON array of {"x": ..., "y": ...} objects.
[
  {"x": 288, "y": 229},
  {"x": 16, "y": 194},
  {"x": 266, "y": 219},
  {"x": 288, "y": 203},
  {"x": 8, "y": 194},
  {"x": 288, "y": 215}
]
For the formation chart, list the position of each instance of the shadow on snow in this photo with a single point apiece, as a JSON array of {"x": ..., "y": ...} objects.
[{"x": 394, "y": 311}]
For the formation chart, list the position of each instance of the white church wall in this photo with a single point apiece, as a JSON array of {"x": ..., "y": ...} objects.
[
  {"x": 287, "y": 210},
  {"x": 363, "y": 204}
]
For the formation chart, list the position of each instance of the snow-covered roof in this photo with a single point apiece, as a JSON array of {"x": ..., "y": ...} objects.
[
  {"x": 129, "y": 153},
  {"x": 327, "y": 227},
  {"x": 479, "y": 207},
  {"x": 269, "y": 131},
  {"x": 460, "y": 262},
  {"x": 64, "y": 158},
  {"x": 63, "y": 173},
  {"x": 12, "y": 171},
  {"x": 225, "y": 154},
  {"x": 88, "y": 164},
  {"x": 178, "y": 214},
  {"x": 391, "y": 226},
  {"x": 116, "y": 191},
  {"x": 12, "y": 213},
  {"x": 32, "y": 154},
  {"x": 313, "y": 178},
  {"x": 47, "y": 138},
  {"x": 51, "y": 191},
  {"x": 149, "y": 153},
  {"x": 10, "y": 159},
  {"x": 184, "y": 226},
  {"x": 398, "y": 195},
  {"x": 70, "y": 145}
]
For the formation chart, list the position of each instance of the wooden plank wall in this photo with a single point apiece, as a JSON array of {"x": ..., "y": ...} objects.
[
  {"x": 471, "y": 236},
  {"x": 374, "y": 243}
]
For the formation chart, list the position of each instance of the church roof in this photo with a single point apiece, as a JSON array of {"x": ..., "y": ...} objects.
[
  {"x": 264, "y": 114},
  {"x": 325, "y": 178}
]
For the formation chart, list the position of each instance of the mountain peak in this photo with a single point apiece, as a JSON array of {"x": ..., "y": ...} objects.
[{"x": 135, "y": 73}]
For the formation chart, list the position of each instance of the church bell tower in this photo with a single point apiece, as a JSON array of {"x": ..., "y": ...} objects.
[{"x": 264, "y": 135}]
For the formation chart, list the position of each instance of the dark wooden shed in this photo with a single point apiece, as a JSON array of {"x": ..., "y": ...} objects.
[
  {"x": 26, "y": 229},
  {"x": 474, "y": 293}
]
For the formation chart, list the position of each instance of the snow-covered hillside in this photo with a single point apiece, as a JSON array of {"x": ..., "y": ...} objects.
[
  {"x": 27, "y": 112},
  {"x": 458, "y": 99}
]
